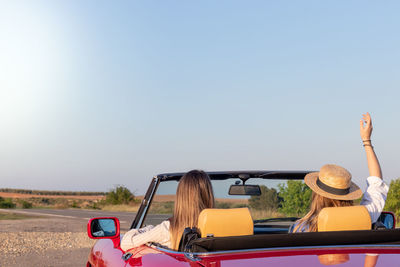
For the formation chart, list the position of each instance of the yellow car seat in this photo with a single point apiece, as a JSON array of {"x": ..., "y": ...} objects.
[
  {"x": 225, "y": 222},
  {"x": 344, "y": 219}
]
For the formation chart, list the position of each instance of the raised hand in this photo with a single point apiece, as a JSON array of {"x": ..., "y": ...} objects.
[
  {"x": 366, "y": 127},
  {"x": 365, "y": 132}
]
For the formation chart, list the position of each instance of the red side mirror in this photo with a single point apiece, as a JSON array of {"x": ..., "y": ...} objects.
[{"x": 104, "y": 228}]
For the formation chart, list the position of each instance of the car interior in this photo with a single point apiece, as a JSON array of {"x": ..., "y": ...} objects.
[
  {"x": 232, "y": 229},
  {"x": 240, "y": 225}
]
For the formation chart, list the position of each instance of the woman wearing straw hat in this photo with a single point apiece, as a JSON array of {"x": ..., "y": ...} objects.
[{"x": 332, "y": 186}]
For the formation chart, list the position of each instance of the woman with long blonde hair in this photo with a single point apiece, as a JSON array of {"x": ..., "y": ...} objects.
[
  {"x": 332, "y": 186},
  {"x": 194, "y": 193}
]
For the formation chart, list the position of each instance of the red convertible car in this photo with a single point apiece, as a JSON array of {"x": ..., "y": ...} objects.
[{"x": 262, "y": 240}]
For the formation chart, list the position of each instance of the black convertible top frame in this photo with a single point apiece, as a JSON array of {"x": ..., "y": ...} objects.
[{"x": 291, "y": 175}]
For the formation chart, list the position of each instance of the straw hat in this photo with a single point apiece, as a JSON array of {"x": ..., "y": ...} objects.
[
  {"x": 333, "y": 259},
  {"x": 333, "y": 181}
]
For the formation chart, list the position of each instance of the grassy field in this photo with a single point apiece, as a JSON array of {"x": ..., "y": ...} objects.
[
  {"x": 29, "y": 196},
  {"x": 15, "y": 216},
  {"x": 122, "y": 207},
  {"x": 49, "y": 192},
  {"x": 162, "y": 204},
  {"x": 49, "y": 200}
]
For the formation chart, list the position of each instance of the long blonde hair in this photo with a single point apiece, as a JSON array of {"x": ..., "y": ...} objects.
[
  {"x": 194, "y": 193},
  {"x": 318, "y": 202}
]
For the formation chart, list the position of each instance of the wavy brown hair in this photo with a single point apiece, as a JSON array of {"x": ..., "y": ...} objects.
[
  {"x": 194, "y": 193},
  {"x": 318, "y": 202}
]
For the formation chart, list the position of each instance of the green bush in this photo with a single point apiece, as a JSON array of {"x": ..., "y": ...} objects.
[
  {"x": 45, "y": 201},
  {"x": 6, "y": 203},
  {"x": 393, "y": 198},
  {"x": 119, "y": 195},
  {"x": 268, "y": 200},
  {"x": 94, "y": 205},
  {"x": 26, "y": 205},
  {"x": 296, "y": 198},
  {"x": 75, "y": 204}
]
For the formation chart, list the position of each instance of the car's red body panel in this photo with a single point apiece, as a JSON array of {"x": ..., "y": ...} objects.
[
  {"x": 264, "y": 248},
  {"x": 300, "y": 258},
  {"x": 104, "y": 254}
]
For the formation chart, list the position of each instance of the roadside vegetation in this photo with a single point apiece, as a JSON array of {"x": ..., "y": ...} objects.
[
  {"x": 47, "y": 203},
  {"x": 290, "y": 199},
  {"x": 393, "y": 199},
  {"x": 295, "y": 198},
  {"x": 51, "y": 193},
  {"x": 117, "y": 199},
  {"x": 7, "y": 203},
  {"x": 119, "y": 195},
  {"x": 15, "y": 216}
]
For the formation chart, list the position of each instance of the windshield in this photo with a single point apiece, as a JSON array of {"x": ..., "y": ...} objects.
[{"x": 280, "y": 200}]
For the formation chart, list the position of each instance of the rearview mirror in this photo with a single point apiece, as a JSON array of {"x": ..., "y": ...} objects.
[{"x": 245, "y": 190}]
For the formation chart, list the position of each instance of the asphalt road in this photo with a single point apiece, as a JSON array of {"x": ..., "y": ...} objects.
[{"x": 125, "y": 218}]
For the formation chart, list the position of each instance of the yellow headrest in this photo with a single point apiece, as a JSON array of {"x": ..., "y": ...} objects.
[
  {"x": 225, "y": 222},
  {"x": 344, "y": 219}
]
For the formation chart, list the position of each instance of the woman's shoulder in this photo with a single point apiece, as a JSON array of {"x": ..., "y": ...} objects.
[
  {"x": 375, "y": 181},
  {"x": 166, "y": 223}
]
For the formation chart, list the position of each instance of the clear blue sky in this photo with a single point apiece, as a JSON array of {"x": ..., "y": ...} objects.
[{"x": 99, "y": 93}]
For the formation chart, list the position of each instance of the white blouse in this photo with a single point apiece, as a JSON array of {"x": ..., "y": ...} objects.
[
  {"x": 137, "y": 237},
  {"x": 375, "y": 197}
]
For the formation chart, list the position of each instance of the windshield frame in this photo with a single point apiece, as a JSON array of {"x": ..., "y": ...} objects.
[{"x": 221, "y": 175}]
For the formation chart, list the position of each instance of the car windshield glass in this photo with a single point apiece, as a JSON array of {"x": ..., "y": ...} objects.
[{"x": 280, "y": 200}]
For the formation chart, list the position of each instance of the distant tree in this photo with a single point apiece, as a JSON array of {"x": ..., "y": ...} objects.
[
  {"x": 296, "y": 198},
  {"x": 268, "y": 200},
  {"x": 119, "y": 195},
  {"x": 393, "y": 198},
  {"x": 6, "y": 203}
]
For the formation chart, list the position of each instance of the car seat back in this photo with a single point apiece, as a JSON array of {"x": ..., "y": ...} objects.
[
  {"x": 344, "y": 219},
  {"x": 225, "y": 222}
]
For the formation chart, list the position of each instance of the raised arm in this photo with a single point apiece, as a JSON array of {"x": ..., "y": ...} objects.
[{"x": 365, "y": 132}]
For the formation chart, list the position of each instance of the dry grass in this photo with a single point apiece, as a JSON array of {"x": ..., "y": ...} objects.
[
  {"x": 161, "y": 207},
  {"x": 15, "y": 216},
  {"x": 233, "y": 200},
  {"x": 122, "y": 207},
  {"x": 265, "y": 214},
  {"x": 53, "y": 201},
  {"x": 24, "y": 196},
  {"x": 160, "y": 198}
]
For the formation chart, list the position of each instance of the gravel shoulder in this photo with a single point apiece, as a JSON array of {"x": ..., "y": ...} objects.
[{"x": 45, "y": 241}]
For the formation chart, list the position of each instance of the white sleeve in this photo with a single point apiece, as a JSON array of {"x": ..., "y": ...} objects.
[
  {"x": 375, "y": 197},
  {"x": 137, "y": 237}
]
